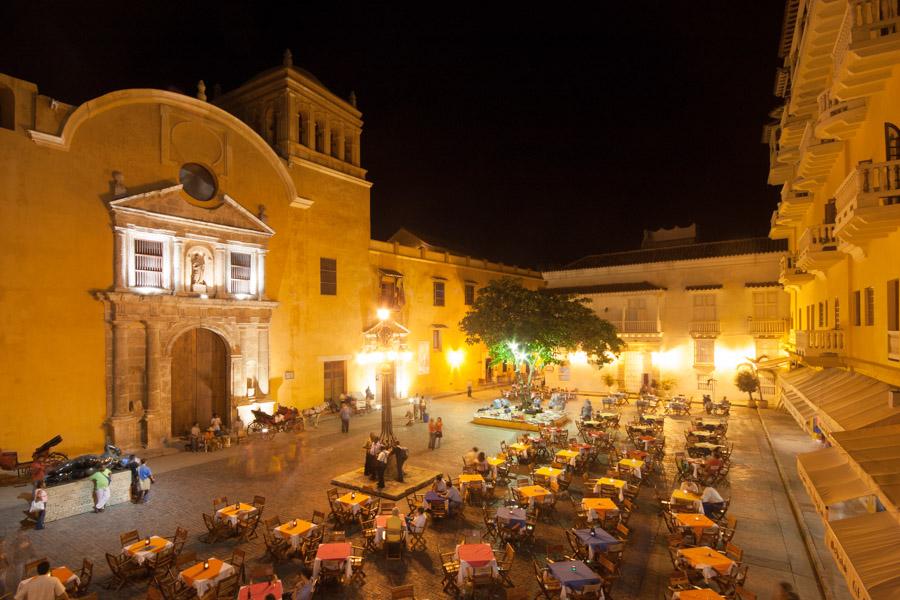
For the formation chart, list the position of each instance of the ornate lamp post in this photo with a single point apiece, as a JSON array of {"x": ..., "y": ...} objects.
[{"x": 385, "y": 348}]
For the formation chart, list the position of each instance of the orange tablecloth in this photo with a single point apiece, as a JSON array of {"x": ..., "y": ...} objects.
[
  {"x": 141, "y": 551},
  {"x": 470, "y": 478},
  {"x": 696, "y": 521},
  {"x": 535, "y": 494},
  {"x": 693, "y": 499},
  {"x": 232, "y": 512},
  {"x": 706, "y": 556},
  {"x": 705, "y": 594},
  {"x": 203, "y": 579},
  {"x": 287, "y": 530},
  {"x": 354, "y": 502},
  {"x": 598, "y": 507}
]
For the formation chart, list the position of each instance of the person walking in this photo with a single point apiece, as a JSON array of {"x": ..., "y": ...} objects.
[
  {"x": 438, "y": 432},
  {"x": 145, "y": 478},
  {"x": 101, "y": 478},
  {"x": 432, "y": 433},
  {"x": 39, "y": 504},
  {"x": 345, "y": 417},
  {"x": 469, "y": 389}
]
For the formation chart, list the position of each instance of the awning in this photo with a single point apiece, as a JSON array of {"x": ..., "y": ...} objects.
[
  {"x": 799, "y": 408},
  {"x": 876, "y": 453},
  {"x": 843, "y": 401},
  {"x": 829, "y": 478},
  {"x": 868, "y": 552}
]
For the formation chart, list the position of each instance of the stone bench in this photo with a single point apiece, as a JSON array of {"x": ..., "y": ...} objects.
[{"x": 77, "y": 497}]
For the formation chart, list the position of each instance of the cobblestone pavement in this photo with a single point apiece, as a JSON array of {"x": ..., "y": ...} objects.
[{"x": 293, "y": 472}]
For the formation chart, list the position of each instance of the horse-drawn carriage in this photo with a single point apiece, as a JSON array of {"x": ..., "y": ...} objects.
[
  {"x": 284, "y": 419},
  {"x": 9, "y": 461}
]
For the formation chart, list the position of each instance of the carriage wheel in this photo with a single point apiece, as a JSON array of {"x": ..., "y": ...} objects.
[{"x": 255, "y": 429}]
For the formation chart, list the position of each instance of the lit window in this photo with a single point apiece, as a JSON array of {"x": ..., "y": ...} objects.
[
  {"x": 240, "y": 272},
  {"x": 328, "y": 276},
  {"x": 438, "y": 293},
  {"x": 765, "y": 305},
  {"x": 437, "y": 343},
  {"x": 704, "y": 351},
  {"x": 148, "y": 263}
]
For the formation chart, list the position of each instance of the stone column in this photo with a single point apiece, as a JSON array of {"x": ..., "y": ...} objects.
[
  {"x": 122, "y": 424},
  {"x": 178, "y": 265},
  {"x": 238, "y": 382},
  {"x": 152, "y": 434},
  {"x": 121, "y": 266},
  {"x": 261, "y": 274},
  {"x": 262, "y": 367},
  {"x": 250, "y": 350},
  {"x": 221, "y": 279}
]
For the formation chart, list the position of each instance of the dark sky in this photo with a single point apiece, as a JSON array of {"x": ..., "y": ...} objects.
[{"x": 517, "y": 133}]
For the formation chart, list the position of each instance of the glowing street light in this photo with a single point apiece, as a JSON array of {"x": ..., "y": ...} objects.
[{"x": 383, "y": 314}]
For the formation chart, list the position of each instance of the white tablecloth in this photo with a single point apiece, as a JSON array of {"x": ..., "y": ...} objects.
[
  {"x": 142, "y": 556},
  {"x": 203, "y": 585}
]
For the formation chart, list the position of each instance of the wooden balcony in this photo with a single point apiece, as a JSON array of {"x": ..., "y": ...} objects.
[
  {"x": 867, "y": 47},
  {"x": 629, "y": 329},
  {"x": 791, "y": 275},
  {"x": 839, "y": 119},
  {"x": 705, "y": 329},
  {"x": 819, "y": 342},
  {"x": 791, "y": 211},
  {"x": 766, "y": 328},
  {"x": 811, "y": 59},
  {"x": 817, "y": 250},
  {"x": 868, "y": 205}
]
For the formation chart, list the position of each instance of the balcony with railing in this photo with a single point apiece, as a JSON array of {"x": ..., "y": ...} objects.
[
  {"x": 839, "y": 119},
  {"x": 705, "y": 329},
  {"x": 817, "y": 156},
  {"x": 866, "y": 47},
  {"x": 637, "y": 330},
  {"x": 791, "y": 275},
  {"x": 766, "y": 328},
  {"x": 867, "y": 204},
  {"x": 819, "y": 342},
  {"x": 817, "y": 249},
  {"x": 811, "y": 53}
]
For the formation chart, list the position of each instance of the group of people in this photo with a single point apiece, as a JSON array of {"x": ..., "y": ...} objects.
[
  {"x": 377, "y": 455},
  {"x": 205, "y": 439},
  {"x": 448, "y": 492},
  {"x": 478, "y": 460}
]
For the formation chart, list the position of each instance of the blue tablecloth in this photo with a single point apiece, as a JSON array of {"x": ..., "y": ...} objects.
[
  {"x": 432, "y": 497},
  {"x": 599, "y": 541},
  {"x": 512, "y": 516},
  {"x": 577, "y": 579}
]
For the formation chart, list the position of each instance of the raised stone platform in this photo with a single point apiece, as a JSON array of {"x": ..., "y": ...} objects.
[
  {"x": 77, "y": 497},
  {"x": 414, "y": 479}
]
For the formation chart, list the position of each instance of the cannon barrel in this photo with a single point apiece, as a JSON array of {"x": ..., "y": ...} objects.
[{"x": 55, "y": 441}]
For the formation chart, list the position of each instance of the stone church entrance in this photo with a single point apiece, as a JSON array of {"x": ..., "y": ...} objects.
[{"x": 200, "y": 372}]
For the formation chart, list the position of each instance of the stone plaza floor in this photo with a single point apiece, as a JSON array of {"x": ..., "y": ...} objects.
[{"x": 293, "y": 472}]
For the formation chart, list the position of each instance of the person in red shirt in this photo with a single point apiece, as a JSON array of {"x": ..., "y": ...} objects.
[{"x": 38, "y": 472}]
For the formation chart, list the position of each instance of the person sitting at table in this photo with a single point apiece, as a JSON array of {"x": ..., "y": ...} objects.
[
  {"x": 470, "y": 457},
  {"x": 713, "y": 463},
  {"x": 42, "y": 587},
  {"x": 454, "y": 498},
  {"x": 439, "y": 486},
  {"x": 216, "y": 424},
  {"x": 394, "y": 526},
  {"x": 417, "y": 523},
  {"x": 481, "y": 465},
  {"x": 712, "y": 501},
  {"x": 504, "y": 447},
  {"x": 587, "y": 410}
]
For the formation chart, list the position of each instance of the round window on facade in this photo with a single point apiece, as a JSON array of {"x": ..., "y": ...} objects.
[{"x": 198, "y": 182}]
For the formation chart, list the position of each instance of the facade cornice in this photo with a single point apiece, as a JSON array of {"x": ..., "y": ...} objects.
[{"x": 303, "y": 162}]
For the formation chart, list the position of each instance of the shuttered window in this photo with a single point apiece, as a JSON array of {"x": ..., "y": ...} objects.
[
  {"x": 148, "y": 263},
  {"x": 240, "y": 273}
]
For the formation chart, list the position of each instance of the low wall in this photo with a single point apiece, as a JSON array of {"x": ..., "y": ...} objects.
[{"x": 77, "y": 497}]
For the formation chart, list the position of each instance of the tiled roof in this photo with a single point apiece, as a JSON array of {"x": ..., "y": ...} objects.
[
  {"x": 606, "y": 288},
  {"x": 700, "y": 288},
  {"x": 686, "y": 252},
  {"x": 762, "y": 284}
]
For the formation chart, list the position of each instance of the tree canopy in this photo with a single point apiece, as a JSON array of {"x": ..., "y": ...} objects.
[{"x": 533, "y": 327}]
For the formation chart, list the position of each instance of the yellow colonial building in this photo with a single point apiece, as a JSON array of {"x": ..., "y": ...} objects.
[
  {"x": 690, "y": 313},
  {"x": 835, "y": 152},
  {"x": 166, "y": 257}
]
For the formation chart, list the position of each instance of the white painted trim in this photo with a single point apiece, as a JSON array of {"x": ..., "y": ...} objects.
[
  {"x": 174, "y": 219},
  {"x": 301, "y": 202},
  {"x": 253, "y": 218},
  {"x": 47, "y": 140},
  {"x": 329, "y": 171}
]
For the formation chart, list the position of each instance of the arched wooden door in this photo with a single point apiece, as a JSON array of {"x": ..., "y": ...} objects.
[{"x": 199, "y": 380}]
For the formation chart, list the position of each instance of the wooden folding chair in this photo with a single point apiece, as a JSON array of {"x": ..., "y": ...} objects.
[{"x": 129, "y": 537}]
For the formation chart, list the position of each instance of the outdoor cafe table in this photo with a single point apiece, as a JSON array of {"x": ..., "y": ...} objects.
[
  {"x": 259, "y": 591},
  {"x": 702, "y": 433},
  {"x": 381, "y": 528},
  {"x": 474, "y": 556},
  {"x": 471, "y": 479},
  {"x": 535, "y": 494},
  {"x": 591, "y": 424},
  {"x": 295, "y": 530},
  {"x": 520, "y": 448},
  {"x": 511, "y": 517},
  {"x": 64, "y": 574},
  {"x": 354, "y": 500},
  {"x": 603, "y": 416},
  {"x": 431, "y": 498},
  {"x": 684, "y": 496},
  {"x": 647, "y": 441},
  {"x": 709, "y": 424},
  {"x": 334, "y": 552},
  {"x": 697, "y": 522},
  {"x": 634, "y": 464},
  {"x": 617, "y": 483},
  {"x": 142, "y": 551},
  {"x": 597, "y": 508},
  {"x": 701, "y": 594},
  {"x": 653, "y": 418},
  {"x": 573, "y": 575},
  {"x": 598, "y": 542},
  {"x": 550, "y": 473},
  {"x": 202, "y": 579},
  {"x": 706, "y": 447},
  {"x": 567, "y": 456},
  {"x": 495, "y": 462},
  {"x": 707, "y": 560},
  {"x": 233, "y": 512}
]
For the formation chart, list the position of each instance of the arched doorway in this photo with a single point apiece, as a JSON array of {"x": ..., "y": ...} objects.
[{"x": 199, "y": 379}]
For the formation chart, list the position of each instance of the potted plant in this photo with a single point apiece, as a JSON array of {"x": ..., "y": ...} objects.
[
  {"x": 609, "y": 380},
  {"x": 746, "y": 381}
]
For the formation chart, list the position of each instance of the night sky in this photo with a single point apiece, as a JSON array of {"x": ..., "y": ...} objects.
[{"x": 508, "y": 132}]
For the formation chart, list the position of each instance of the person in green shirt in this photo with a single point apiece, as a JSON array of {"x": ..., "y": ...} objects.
[{"x": 101, "y": 479}]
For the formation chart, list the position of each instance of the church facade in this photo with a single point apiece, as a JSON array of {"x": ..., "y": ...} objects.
[{"x": 168, "y": 256}]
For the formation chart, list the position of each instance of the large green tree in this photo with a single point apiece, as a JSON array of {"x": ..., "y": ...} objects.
[{"x": 531, "y": 329}]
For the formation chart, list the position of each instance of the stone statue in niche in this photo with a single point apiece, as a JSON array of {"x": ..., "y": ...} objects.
[
  {"x": 261, "y": 213},
  {"x": 198, "y": 272},
  {"x": 118, "y": 184}
]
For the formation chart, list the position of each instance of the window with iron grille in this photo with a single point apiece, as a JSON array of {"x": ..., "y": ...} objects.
[
  {"x": 328, "y": 276},
  {"x": 438, "y": 293},
  {"x": 240, "y": 272},
  {"x": 821, "y": 315},
  {"x": 870, "y": 306},
  {"x": 704, "y": 382},
  {"x": 704, "y": 351},
  {"x": 148, "y": 263}
]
